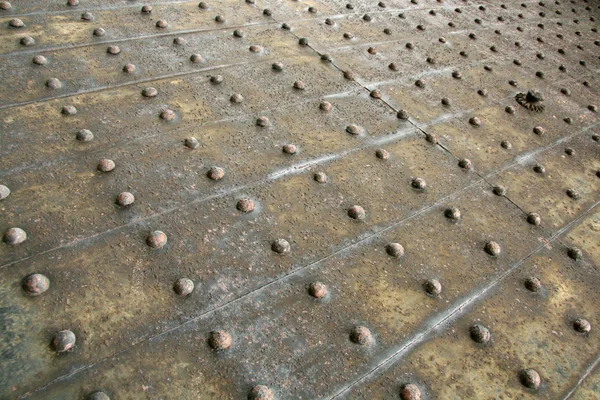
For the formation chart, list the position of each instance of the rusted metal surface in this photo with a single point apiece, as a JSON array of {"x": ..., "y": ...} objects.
[{"x": 322, "y": 198}]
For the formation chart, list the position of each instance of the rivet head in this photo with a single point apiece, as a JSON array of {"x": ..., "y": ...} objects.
[
  {"x": 534, "y": 218},
  {"x": 40, "y": 60},
  {"x": 367, "y": 18},
  {"x": 575, "y": 253},
  {"x": 261, "y": 392},
  {"x": 216, "y": 79},
  {"x": 539, "y": 168},
  {"x": 129, "y": 68},
  {"x": 236, "y": 98},
  {"x": 220, "y": 340},
  {"x": 586, "y": 83},
  {"x": 376, "y": 94},
  {"x": 263, "y": 122},
  {"x": 349, "y": 75},
  {"x": 125, "y": 199},
  {"x": 326, "y": 58},
  {"x": 431, "y": 138},
  {"x": 568, "y": 120},
  {"x": 431, "y": 60},
  {"x": 99, "y": 32},
  {"x": 539, "y": 130},
  {"x": 419, "y": 183},
  {"x": 513, "y": 83},
  {"x": 410, "y": 391},
  {"x": 36, "y": 284},
  {"x": 156, "y": 239},
  {"x": 63, "y": 341},
  {"x": 394, "y": 67},
  {"x": 505, "y": 144},
  {"x": 492, "y": 248},
  {"x": 87, "y": 16},
  {"x": 582, "y": 325},
  {"x": 509, "y": 110},
  {"x": 191, "y": 143},
  {"x": 402, "y": 114},
  {"x": 220, "y": 19},
  {"x": 289, "y": 149},
  {"x": 569, "y": 151},
  {"x": 353, "y": 129},
  {"x": 465, "y": 163},
  {"x": 320, "y": 177},
  {"x": 533, "y": 284},
  {"x": 318, "y": 290},
  {"x": 106, "y": 165},
  {"x": 420, "y": 27},
  {"x": 573, "y": 193},
  {"x": 475, "y": 121},
  {"x": 5, "y": 5},
  {"x": 68, "y": 110},
  {"x": 420, "y": 83},
  {"x": 149, "y": 92},
  {"x": 361, "y": 335},
  {"x": 267, "y": 12},
  {"x": 329, "y": 22},
  {"x": 98, "y": 396},
  {"x": 183, "y": 287},
  {"x": 562, "y": 68},
  {"x": 312, "y": 10},
  {"x": 530, "y": 378},
  {"x": 325, "y": 106},
  {"x": 277, "y": 66},
  {"x": 565, "y": 91},
  {"x": 357, "y": 212},
  {"x": 593, "y": 108},
  {"x": 445, "y": 101},
  {"x": 245, "y": 205},
  {"x": 53, "y": 83},
  {"x": 85, "y": 135},
  {"x": 178, "y": 41},
  {"x": 432, "y": 287},
  {"x": 499, "y": 190},
  {"x": 255, "y": 49},
  {"x": 596, "y": 137},
  {"x": 480, "y": 334},
  {"x": 113, "y": 50},
  {"x": 167, "y": 115},
  {"x": 482, "y": 92},
  {"x": 238, "y": 33},
  {"x": 395, "y": 250},
  {"x": 16, "y": 23},
  {"x": 456, "y": 75},
  {"x": 382, "y": 154},
  {"x": 203, "y": 5},
  {"x": 348, "y": 35},
  {"x": 27, "y": 41},
  {"x": 215, "y": 173},
  {"x": 4, "y": 192},
  {"x": 452, "y": 213},
  {"x": 387, "y": 31},
  {"x": 146, "y": 9},
  {"x": 299, "y": 85},
  {"x": 196, "y": 58},
  {"x": 161, "y": 23},
  {"x": 281, "y": 246},
  {"x": 410, "y": 45}
]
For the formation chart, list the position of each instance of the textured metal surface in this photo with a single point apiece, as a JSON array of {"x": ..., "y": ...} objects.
[{"x": 349, "y": 186}]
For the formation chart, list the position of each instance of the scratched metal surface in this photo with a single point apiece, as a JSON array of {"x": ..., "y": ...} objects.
[{"x": 405, "y": 108}]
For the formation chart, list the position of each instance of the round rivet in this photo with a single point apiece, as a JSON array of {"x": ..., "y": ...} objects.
[
  {"x": 263, "y": 122},
  {"x": 482, "y": 92},
  {"x": 410, "y": 391},
  {"x": 534, "y": 218},
  {"x": 568, "y": 120},
  {"x": 431, "y": 138},
  {"x": 445, "y": 101},
  {"x": 569, "y": 151},
  {"x": 320, "y": 177},
  {"x": 167, "y": 115},
  {"x": 326, "y": 57},
  {"x": 68, "y": 110},
  {"x": 431, "y": 60},
  {"x": 357, "y": 212},
  {"x": 87, "y": 16},
  {"x": 245, "y": 205},
  {"x": 216, "y": 79},
  {"x": 161, "y": 23},
  {"x": 348, "y": 35},
  {"x": 113, "y": 50},
  {"x": 220, "y": 19},
  {"x": 312, "y": 10},
  {"x": 420, "y": 83},
  {"x": 505, "y": 144},
  {"x": 215, "y": 173},
  {"x": 277, "y": 66},
  {"x": 499, "y": 190},
  {"x": 63, "y": 341},
  {"x": 480, "y": 334},
  {"x": 289, "y": 149},
  {"x": 261, "y": 392},
  {"x": 156, "y": 239},
  {"x": 191, "y": 143},
  {"x": 353, "y": 129},
  {"x": 492, "y": 248},
  {"x": 97, "y": 396},
  {"x": 303, "y": 42},
  {"x": 27, "y": 41},
  {"x": 402, "y": 114},
  {"x": 179, "y": 41},
  {"x": 4, "y": 192},
  {"x": 456, "y": 75},
  {"x": 387, "y": 31},
  {"x": 183, "y": 286},
  {"x": 281, "y": 246},
  {"x": 538, "y": 130},
  {"x": 367, "y": 18},
  {"x": 99, "y": 32},
  {"x": 586, "y": 83},
  {"x": 16, "y": 23},
  {"x": 40, "y": 60},
  {"x": 196, "y": 58},
  {"x": 5, "y": 5},
  {"x": 582, "y": 325},
  {"x": 419, "y": 183},
  {"x": 361, "y": 335},
  {"x": 562, "y": 68},
  {"x": 510, "y": 109},
  {"x": 382, "y": 154},
  {"x": 129, "y": 68},
  {"x": 433, "y": 287},
  {"x": 149, "y": 92},
  {"x": 146, "y": 9},
  {"x": 465, "y": 163},
  {"x": 395, "y": 250},
  {"x": 592, "y": 108},
  {"x": 512, "y": 83},
  {"x": 530, "y": 378},
  {"x": 533, "y": 284},
  {"x": 372, "y": 50},
  {"x": 394, "y": 67},
  {"x": 125, "y": 199},
  {"x": 14, "y": 236},
  {"x": 539, "y": 168},
  {"x": 596, "y": 137},
  {"x": 106, "y": 165},
  {"x": 488, "y": 68},
  {"x": 349, "y": 75},
  {"x": 452, "y": 213},
  {"x": 475, "y": 121},
  {"x": 317, "y": 290},
  {"x": 325, "y": 106},
  {"x": 573, "y": 193},
  {"x": 376, "y": 94},
  {"x": 575, "y": 253},
  {"x": 36, "y": 284},
  {"x": 565, "y": 91},
  {"x": 255, "y": 49},
  {"x": 203, "y": 5},
  {"x": 420, "y": 27},
  {"x": 53, "y": 83},
  {"x": 220, "y": 340},
  {"x": 236, "y": 98},
  {"x": 410, "y": 46},
  {"x": 299, "y": 85}
]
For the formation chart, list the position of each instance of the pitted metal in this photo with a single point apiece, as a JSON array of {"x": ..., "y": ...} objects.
[{"x": 283, "y": 200}]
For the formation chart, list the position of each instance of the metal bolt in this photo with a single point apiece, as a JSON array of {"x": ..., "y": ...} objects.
[
  {"x": 196, "y": 58},
  {"x": 261, "y": 392},
  {"x": 480, "y": 334},
  {"x": 178, "y": 41},
  {"x": 303, "y": 42},
  {"x": 575, "y": 253},
  {"x": 317, "y": 290},
  {"x": 220, "y": 19},
  {"x": 530, "y": 378},
  {"x": 533, "y": 284},
  {"x": 129, "y": 68},
  {"x": 156, "y": 239},
  {"x": 87, "y": 16},
  {"x": 357, "y": 212},
  {"x": 215, "y": 173},
  {"x": 410, "y": 391},
  {"x": 433, "y": 287},
  {"x": 146, "y": 9},
  {"x": 534, "y": 218},
  {"x": 68, "y": 110},
  {"x": 125, "y": 199},
  {"x": 492, "y": 248},
  {"x": 299, "y": 85},
  {"x": 236, "y": 98},
  {"x": 582, "y": 325},
  {"x": 245, "y": 205},
  {"x": 376, "y": 94},
  {"x": 63, "y": 341},
  {"x": 538, "y": 130},
  {"x": 53, "y": 83},
  {"x": 27, "y": 41},
  {"x": 361, "y": 335},
  {"x": 475, "y": 121},
  {"x": 220, "y": 340},
  {"x": 569, "y": 151},
  {"x": 325, "y": 106},
  {"x": 499, "y": 190},
  {"x": 395, "y": 250},
  {"x": 5, "y": 5},
  {"x": 419, "y": 183},
  {"x": 505, "y": 144},
  {"x": 353, "y": 129},
  {"x": 289, "y": 149},
  {"x": 202, "y": 5},
  {"x": 452, "y": 213},
  {"x": 184, "y": 286},
  {"x": 573, "y": 193},
  {"x": 445, "y": 101},
  {"x": 320, "y": 177},
  {"x": 510, "y": 109},
  {"x": 539, "y": 168},
  {"x": 161, "y": 23},
  {"x": 431, "y": 138},
  {"x": 263, "y": 122},
  {"x": 99, "y": 32},
  {"x": 255, "y": 49},
  {"x": 394, "y": 67},
  {"x": 40, "y": 60},
  {"x": 149, "y": 92},
  {"x": 113, "y": 50},
  {"x": 191, "y": 143},
  {"x": 106, "y": 165},
  {"x": 382, "y": 154},
  {"x": 216, "y": 79},
  {"x": 465, "y": 163},
  {"x": 36, "y": 284},
  {"x": 482, "y": 92},
  {"x": 167, "y": 115},
  {"x": 281, "y": 246}
]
